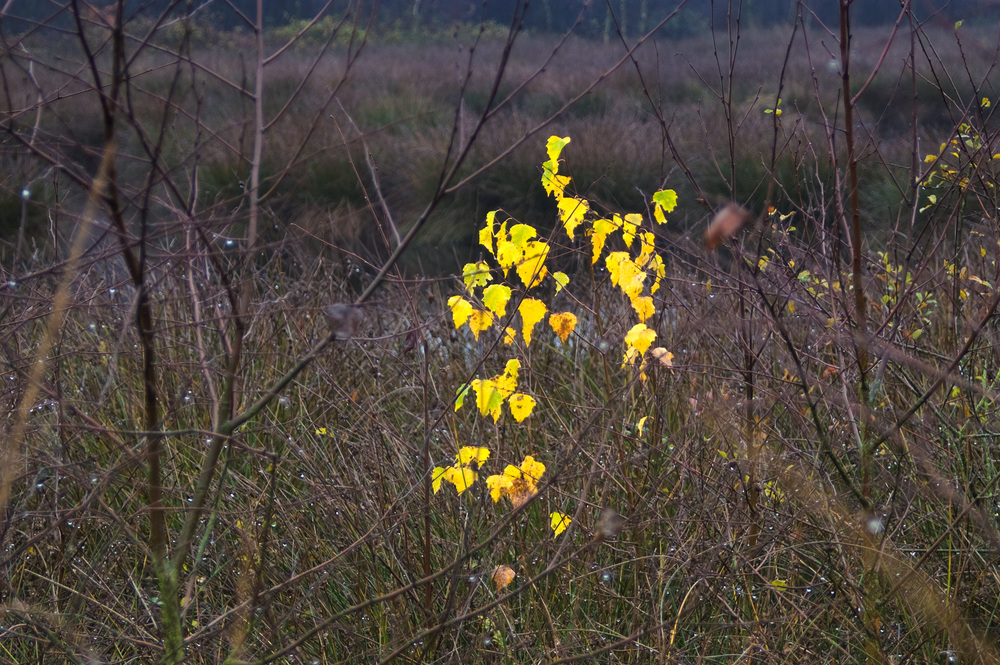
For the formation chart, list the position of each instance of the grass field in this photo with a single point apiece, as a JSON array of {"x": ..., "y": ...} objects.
[{"x": 197, "y": 464}]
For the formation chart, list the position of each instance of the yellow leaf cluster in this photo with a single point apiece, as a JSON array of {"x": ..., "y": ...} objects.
[
  {"x": 517, "y": 483},
  {"x": 462, "y": 474},
  {"x": 637, "y": 341},
  {"x": 492, "y": 393}
]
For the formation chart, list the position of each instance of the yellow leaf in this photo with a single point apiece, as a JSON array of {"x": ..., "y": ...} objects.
[
  {"x": 503, "y": 576},
  {"x": 508, "y": 335},
  {"x": 460, "y": 395},
  {"x": 437, "y": 475},
  {"x": 625, "y": 274},
  {"x": 512, "y": 367},
  {"x": 563, "y": 324},
  {"x": 554, "y": 185},
  {"x": 629, "y": 226},
  {"x": 461, "y": 477},
  {"x": 647, "y": 249},
  {"x": 475, "y": 274},
  {"x": 643, "y": 306},
  {"x": 495, "y": 297},
  {"x": 486, "y": 233},
  {"x": 461, "y": 309},
  {"x": 532, "y": 268},
  {"x": 521, "y": 406},
  {"x": 473, "y": 454},
  {"x": 571, "y": 212},
  {"x": 641, "y": 424},
  {"x": 664, "y": 200},
  {"x": 562, "y": 279},
  {"x": 640, "y": 337},
  {"x": 479, "y": 320},
  {"x": 498, "y": 486},
  {"x": 488, "y": 398},
  {"x": 599, "y": 233},
  {"x": 554, "y": 147},
  {"x": 532, "y": 311},
  {"x": 559, "y": 522},
  {"x": 532, "y": 470}
]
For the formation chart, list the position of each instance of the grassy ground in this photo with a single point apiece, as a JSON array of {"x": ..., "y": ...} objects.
[{"x": 802, "y": 484}]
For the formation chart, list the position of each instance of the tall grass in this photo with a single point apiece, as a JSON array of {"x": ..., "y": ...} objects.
[{"x": 805, "y": 483}]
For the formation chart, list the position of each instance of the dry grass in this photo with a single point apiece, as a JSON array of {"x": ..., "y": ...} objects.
[{"x": 781, "y": 504}]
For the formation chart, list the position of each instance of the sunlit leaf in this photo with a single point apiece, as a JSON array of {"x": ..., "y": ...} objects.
[
  {"x": 518, "y": 484},
  {"x": 488, "y": 398},
  {"x": 521, "y": 406},
  {"x": 520, "y": 234},
  {"x": 559, "y": 522},
  {"x": 486, "y": 233},
  {"x": 532, "y": 311},
  {"x": 571, "y": 213},
  {"x": 498, "y": 486},
  {"x": 599, "y": 233},
  {"x": 532, "y": 268},
  {"x": 629, "y": 226},
  {"x": 461, "y": 477},
  {"x": 473, "y": 454},
  {"x": 554, "y": 185},
  {"x": 461, "y": 309},
  {"x": 563, "y": 324},
  {"x": 508, "y": 335},
  {"x": 479, "y": 321},
  {"x": 625, "y": 274},
  {"x": 562, "y": 279},
  {"x": 554, "y": 147},
  {"x": 475, "y": 274},
  {"x": 643, "y": 306},
  {"x": 664, "y": 200},
  {"x": 503, "y": 576},
  {"x": 495, "y": 296},
  {"x": 639, "y": 337},
  {"x": 437, "y": 475},
  {"x": 462, "y": 391}
]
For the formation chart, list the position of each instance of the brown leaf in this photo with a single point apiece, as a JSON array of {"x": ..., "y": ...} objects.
[
  {"x": 502, "y": 576},
  {"x": 726, "y": 223}
]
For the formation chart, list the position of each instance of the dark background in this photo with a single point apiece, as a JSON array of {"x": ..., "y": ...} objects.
[{"x": 591, "y": 19}]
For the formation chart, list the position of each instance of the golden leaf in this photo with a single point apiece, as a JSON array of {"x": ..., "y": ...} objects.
[
  {"x": 521, "y": 406},
  {"x": 532, "y": 311},
  {"x": 563, "y": 324}
]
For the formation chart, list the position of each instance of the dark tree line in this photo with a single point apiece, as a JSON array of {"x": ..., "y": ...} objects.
[{"x": 593, "y": 18}]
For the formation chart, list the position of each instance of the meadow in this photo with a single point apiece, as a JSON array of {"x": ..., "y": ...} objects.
[{"x": 452, "y": 351}]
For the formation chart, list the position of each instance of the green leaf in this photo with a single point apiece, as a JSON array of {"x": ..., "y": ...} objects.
[{"x": 495, "y": 297}]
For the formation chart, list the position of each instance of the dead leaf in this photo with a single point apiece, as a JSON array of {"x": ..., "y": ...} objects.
[
  {"x": 725, "y": 224},
  {"x": 503, "y": 576}
]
